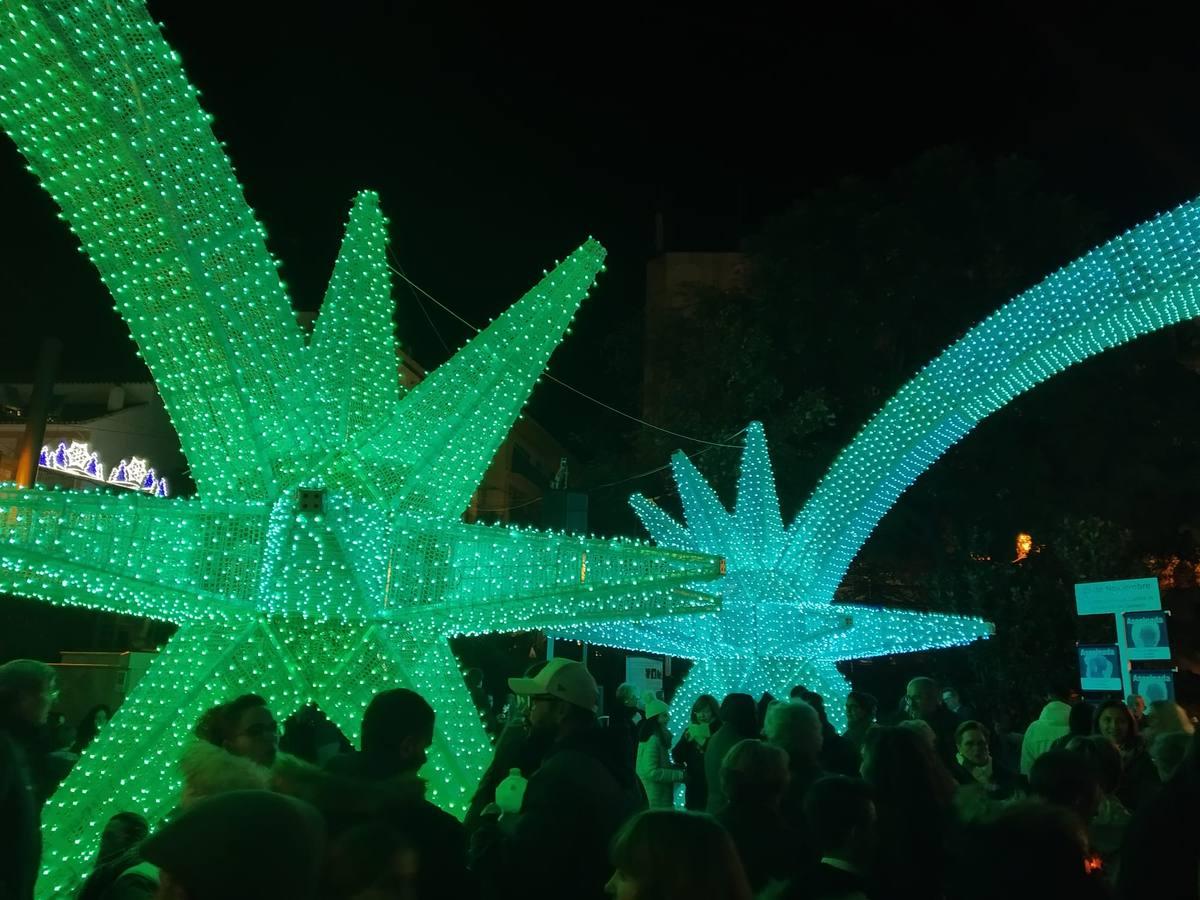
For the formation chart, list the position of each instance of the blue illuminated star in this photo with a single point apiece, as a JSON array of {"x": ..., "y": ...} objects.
[{"x": 769, "y": 634}]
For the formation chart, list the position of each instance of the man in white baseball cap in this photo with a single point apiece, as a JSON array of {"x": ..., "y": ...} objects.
[
  {"x": 582, "y": 792},
  {"x": 562, "y": 697}
]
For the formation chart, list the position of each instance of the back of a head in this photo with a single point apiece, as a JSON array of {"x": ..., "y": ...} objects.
[
  {"x": 834, "y": 808},
  {"x": 675, "y": 855},
  {"x": 754, "y": 772},
  {"x": 392, "y": 716},
  {"x": 627, "y": 694},
  {"x": 19, "y": 677},
  {"x": 817, "y": 702},
  {"x": 924, "y": 683},
  {"x": 1080, "y": 720},
  {"x": 739, "y": 712},
  {"x": 1061, "y": 689},
  {"x": 1029, "y": 849},
  {"x": 1058, "y": 777},
  {"x": 245, "y": 844},
  {"x": 905, "y": 773},
  {"x": 794, "y": 726},
  {"x": 1101, "y": 757}
]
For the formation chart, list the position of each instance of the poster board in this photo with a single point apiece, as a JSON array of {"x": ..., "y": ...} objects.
[
  {"x": 1146, "y": 635},
  {"x": 1154, "y": 684},
  {"x": 1099, "y": 667},
  {"x": 646, "y": 674}
]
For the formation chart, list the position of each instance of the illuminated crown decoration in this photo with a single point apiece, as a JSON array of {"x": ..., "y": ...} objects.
[{"x": 81, "y": 461}]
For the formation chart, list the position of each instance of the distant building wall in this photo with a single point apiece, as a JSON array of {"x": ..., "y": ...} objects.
[{"x": 670, "y": 281}]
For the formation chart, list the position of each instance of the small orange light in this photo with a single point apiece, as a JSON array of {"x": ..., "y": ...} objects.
[{"x": 722, "y": 568}]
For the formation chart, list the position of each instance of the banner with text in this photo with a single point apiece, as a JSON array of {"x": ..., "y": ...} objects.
[{"x": 1096, "y": 597}]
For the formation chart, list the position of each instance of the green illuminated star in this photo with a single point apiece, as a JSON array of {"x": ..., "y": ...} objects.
[{"x": 325, "y": 558}]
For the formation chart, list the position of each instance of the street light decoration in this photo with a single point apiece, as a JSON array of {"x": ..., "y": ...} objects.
[{"x": 324, "y": 558}]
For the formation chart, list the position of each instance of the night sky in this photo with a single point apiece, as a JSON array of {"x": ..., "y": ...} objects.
[{"x": 499, "y": 137}]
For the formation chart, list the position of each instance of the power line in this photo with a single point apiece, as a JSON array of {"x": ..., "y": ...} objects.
[{"x": 685, "y": 437}]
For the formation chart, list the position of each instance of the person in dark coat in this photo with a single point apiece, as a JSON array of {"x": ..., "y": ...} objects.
[
  {"x": 120, "y": 872},
  {"x": 243, "y": 845},
  {"x": 397, "y": 731},
  {"x": 1079, "y": 724},
  {"x": 516, "y": 748},
  {"x": 860, "y": 717},
  {"x": 665, "y": 854},
  {"x": 625, "y": 718},
  {"x": 689, "y": 750},
  {"x": 914, "y": 797},
  {"x": 841, "y": 822},
  {"x": 739, "y": 721},
  {"x": 580, "y": 795},
  {"x": 923, "y": 700},
  {"x": 1162, "y": 843},
  {"x": 795, "y": 728},
  {"x": 838, "y": 754},
  {"x": 754, "y": 777},
  {"x": 27, "y": 691}
]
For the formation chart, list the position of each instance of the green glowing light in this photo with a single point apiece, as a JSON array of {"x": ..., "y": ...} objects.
[{"x": 324, "y": 559}]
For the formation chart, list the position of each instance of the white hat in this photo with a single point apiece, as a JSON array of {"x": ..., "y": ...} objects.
[
  {"x": 655, "y": 708},
  {"x": 562, "y": 678}
]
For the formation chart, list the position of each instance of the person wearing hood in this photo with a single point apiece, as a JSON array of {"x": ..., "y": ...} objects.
[
  {"x": 1052, "y": 724},
  {"x": 654, "y": 767},
  {"x": 575, "y": 802}
]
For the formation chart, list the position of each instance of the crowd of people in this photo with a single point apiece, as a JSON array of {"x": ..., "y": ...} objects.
[{"x": 754, "y": 799}]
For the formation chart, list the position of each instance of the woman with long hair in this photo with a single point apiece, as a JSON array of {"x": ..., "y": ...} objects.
[
  {"x": 914, "y": 799},
  {"x": 654, "y": 767},
  {"x": 1139, "y": 779},
  {"x": 689, "y": 751},
  {"x": 668, "y": 855}
]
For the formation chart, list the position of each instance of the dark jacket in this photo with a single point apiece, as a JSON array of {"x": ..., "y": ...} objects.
[
  {"x": 126, "y": 877},
  {"x": 1139, "y": 779},
  {"x": 515, "y": 749},
  {"x": 803, "y": 774},
  {"x": 839, "y": 755},
  {"x": 820, "y": 881},
  {"x": 437, "y": 837},
  {"x": 20, "y": 818},
  {"x": 1162, "y": 843},
  {"x": 574, "y": 804},
  {"x": 718, "y": 745},
  {"x": 690, "y": 755},
  {"x": 770, "y": 848}
]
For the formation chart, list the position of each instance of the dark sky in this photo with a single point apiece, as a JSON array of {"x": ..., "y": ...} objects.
[{"x": 500, "y": 135}]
